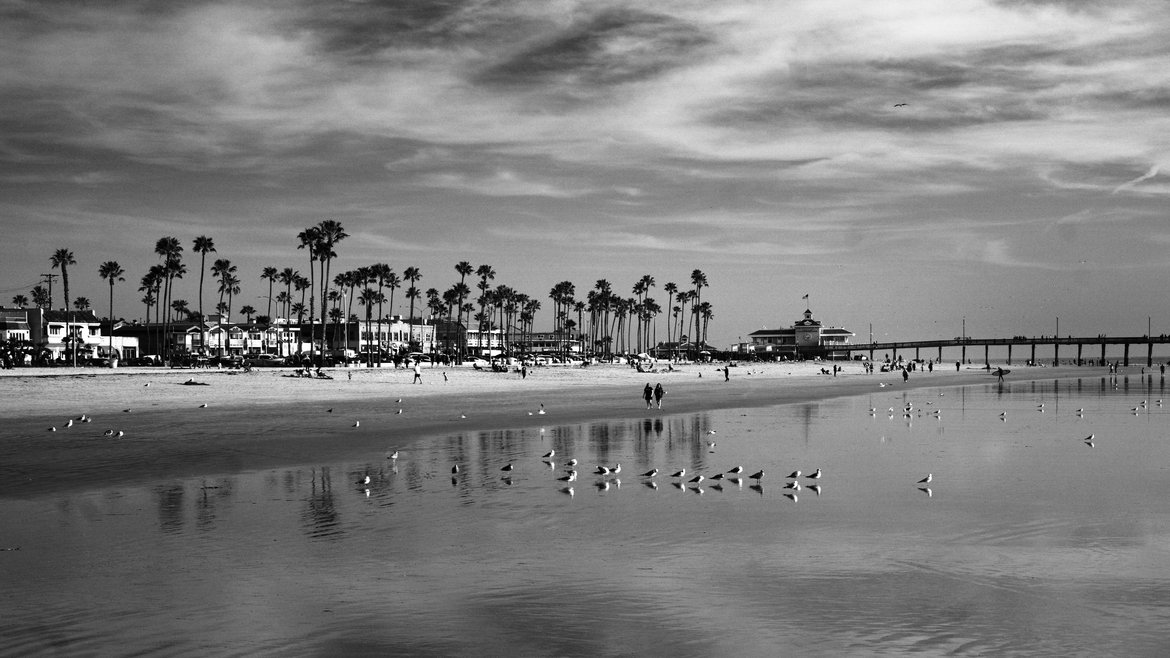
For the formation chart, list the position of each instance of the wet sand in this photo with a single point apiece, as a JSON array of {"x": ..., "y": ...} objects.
[{"x": 265, "y": 419}]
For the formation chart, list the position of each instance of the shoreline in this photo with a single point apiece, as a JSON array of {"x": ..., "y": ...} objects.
[{"x": 262, "y": 420}]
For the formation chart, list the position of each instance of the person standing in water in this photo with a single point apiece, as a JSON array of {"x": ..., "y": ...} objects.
[
  {"x": 659, "y": 392},
  {"x": 648, "y": 395}
]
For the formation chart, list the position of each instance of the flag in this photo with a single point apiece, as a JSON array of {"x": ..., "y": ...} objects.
[{"x": 805, "y": 297}]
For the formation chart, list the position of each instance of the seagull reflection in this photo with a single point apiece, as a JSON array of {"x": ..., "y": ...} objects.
[
  {"x": 758, "y": 488},
  {"x": 507, "y": 480},
  {"x": 551, "y": 465},
  {"x": 698, "y": 490},
  {"x": 815, "y": 488},
  {"x": 568, "y": 491},
  {"x": 717, "y": 487},
  {"x": 602, "y": 486},
  {"x": 791, "y": 497},
  {"x": 736, "y": 481},
  {"x": 927, "y": 491},
  {"x": 651, "y": 484},
  {"x": 678, "y": 485}
]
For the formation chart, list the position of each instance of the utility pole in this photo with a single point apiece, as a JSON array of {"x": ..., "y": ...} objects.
[{"x": 48, "y": 278}]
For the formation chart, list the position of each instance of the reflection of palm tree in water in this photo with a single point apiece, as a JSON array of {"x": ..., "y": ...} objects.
[{"x": 320, "y": 516}]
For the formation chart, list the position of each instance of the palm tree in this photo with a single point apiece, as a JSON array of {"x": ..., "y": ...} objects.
[
  {"x": 463, "y": 268},
  {"x": 149, "y": 300},
  {"x": 382, "y": 274},
  {"x": 671, "y": 288},
  {"x": 63, "y": 258},
  {"x": 40, "y": 297},
  {"x": 705, "y": 313},
  {"x": 269, "y": 273},
  {"x": 310, "y": 239},
  {"x": 112, "y": 272},
  {"x": 485, "y": 274},
  {"x": 411, "y": 274},
  {"x": 232, "y": 283},
  {"x": 368, "y": 298},
  {"x": 203, "y": 245},
  {"x": 330, "y": 232},
  {"x": 20, "y": 300},
  {"x": 248, "y": 312},
  {"x": 81, "y": 303},
  {"x": 299, "y": 310},
  {"x": 181, "y": 308},
  {"x": 699, "y": 280},
  {"x": 170, "y": 251},
  {"x": 287, "y": 276}
]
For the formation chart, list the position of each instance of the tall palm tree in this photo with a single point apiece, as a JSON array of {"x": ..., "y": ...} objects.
[
  {"x": 112, "y": 272},
  {"x": 331, "y": 232},
  {"x": 62, "y": 259},
  {"x": 170, "y": 251},
  {"x": 699, "y": 281},
  {"x": 232, "y": 283},
  {"x": 485, "y": 274},
  {"x": 287, "y": 276},
  {"x": 463, "y": 268},
  {"x": 20, "y": 300},
  {"x": 382, "y": 274},
  {"x": 368, "y": 298},
  {"x": 671, "y": 288},
  {"x": 270, "y": 273},
  {"x": 223, "y": 269},
  {"x": 411, "y": 274},
  {"x": 149, "y": 300},
  {"x": 203, "y": 246},
  {"x": 310, "y": 240}
]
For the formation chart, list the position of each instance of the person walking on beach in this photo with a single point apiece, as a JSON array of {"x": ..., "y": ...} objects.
[
  {"x": 417, "y": 373},
  {"x": 905, "y": 375},
  {"x": 659, "y": 392},
  {"x": 727, "y": 373},
  {"x": 648, "y": 395}
]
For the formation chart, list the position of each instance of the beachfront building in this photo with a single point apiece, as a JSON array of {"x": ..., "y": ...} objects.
[
  {"x": 807, "y": 338},
  {"x": 59, "y": 331},
  {"x": 554, "y": 343},
  {"x": 14, "y": 325},
  {"x": 391, "y": 335}
]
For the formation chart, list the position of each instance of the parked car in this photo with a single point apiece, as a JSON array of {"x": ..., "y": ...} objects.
[{"x": 265, "y": 360}]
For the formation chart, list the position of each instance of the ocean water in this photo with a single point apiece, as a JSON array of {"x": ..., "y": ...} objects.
[{"x": 1028, "y": 540}]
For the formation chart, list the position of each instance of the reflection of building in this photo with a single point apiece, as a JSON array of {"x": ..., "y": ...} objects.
[{"x": 805, "y": 339}]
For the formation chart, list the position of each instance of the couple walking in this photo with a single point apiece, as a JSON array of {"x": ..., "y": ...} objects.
[{"x": 653, "y": 395}]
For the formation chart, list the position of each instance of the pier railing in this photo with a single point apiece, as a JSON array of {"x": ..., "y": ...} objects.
[{"x": 1028, "y": 342}]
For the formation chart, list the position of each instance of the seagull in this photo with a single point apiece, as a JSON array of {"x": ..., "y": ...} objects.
[
  {"x": 650, "y": 473},
  {"x": 758, "y": 475},
  {"x": 455, "y": 468},
  {"x": 357, "y": 423},
  {"x": 927, "y": 479},
  {"x": 507, "y": 467},
  {"x": 125, "y": 411},
  {"x": 550, "y": 453},
  {"x": 203, "y": 406},
  {"x": 53, "y": 429},
  {"x": 717, "y": 476},
  {"x": 679, "y": 474},
  {"x": 393, "y": 455},
  {"x": 697, "y": 479},
  {"x": 710, "y": 431},
  {"x": 329, "y": 410},
  {"x": 602, "y": 470},
  {"x": 365, "y": 480},
  {"x": 541, "y": 412},
  {"x": 108, "y": 433},
  {"x": 398, "y": 401},
  {"x": 462, "y": 416},
  {"x": 736, "y": 471},
  {"x": 86, "y": 419},
  {"x": 793, "y": 475},
  {"x": 148, "y": 384},
  {"x": 795, "y": 486},
  {"x": 617, "y": 468},
  {"x": 815, "y": 475},
  {"x": 398, "y": 412},
  {"x": 571, "y": 476},
  {"x": 572, "y": 462},
  {"x": 120, "y": 434}
]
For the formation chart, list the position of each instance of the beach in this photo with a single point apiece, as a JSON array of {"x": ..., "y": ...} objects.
[{"x": 183, "y": 423}]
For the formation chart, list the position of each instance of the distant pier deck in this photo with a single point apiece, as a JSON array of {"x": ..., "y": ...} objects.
[{"x": 1021, "y": 342}]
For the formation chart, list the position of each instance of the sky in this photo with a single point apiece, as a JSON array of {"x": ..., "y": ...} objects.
[{"x": 914, "y": 167}]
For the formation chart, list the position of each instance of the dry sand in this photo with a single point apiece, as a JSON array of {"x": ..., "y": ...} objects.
[{"x": 265, "y": 419}]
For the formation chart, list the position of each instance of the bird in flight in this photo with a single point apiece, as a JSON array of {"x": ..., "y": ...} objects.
[{"x": 900, "y": 104}]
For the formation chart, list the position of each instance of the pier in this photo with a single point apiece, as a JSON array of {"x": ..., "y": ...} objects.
[{"x": 1024, "y": 342}]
